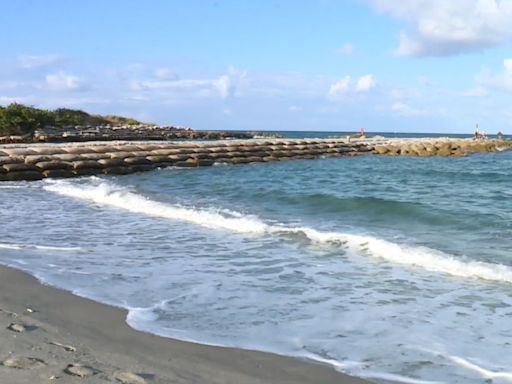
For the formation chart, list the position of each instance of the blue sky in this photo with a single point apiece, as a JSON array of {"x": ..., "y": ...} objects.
[{"x": 386, "y": 65}]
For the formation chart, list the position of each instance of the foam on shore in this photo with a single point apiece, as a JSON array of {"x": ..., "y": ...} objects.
[{"x": 39, "y": 247}]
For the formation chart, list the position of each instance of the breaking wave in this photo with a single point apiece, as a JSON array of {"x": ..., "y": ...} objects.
[{"x": 109, "y": 194}]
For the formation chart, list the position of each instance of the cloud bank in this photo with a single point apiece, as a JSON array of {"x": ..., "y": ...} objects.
[{"x": 445, "y": 28}]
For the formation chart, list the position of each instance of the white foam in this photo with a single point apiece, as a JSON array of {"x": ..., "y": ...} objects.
[
  {"x": 39, "y": 247},
  {"x": 471, "y": 366},
  {"x": 397, "y": 378},
  {"x": 428, "y": 259},
  {"x": 11, "y": 187},
  {"x": 486, "y": 373},
  {"x": 108, "y": 194}
]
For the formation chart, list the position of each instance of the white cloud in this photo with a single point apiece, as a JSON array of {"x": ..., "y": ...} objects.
[
  {"x": 169, "y": 84},
  {"x": 227, "y": 112},
  {"x": 476, "y": 92},
  {"x": 444, "y": 28},
  {"x": 501, "y": 80},
  {"x": 165, "y": 73},
  {"x": 424, "y": 80},
  {"x": 403, "y": 109},
  {"x": 344, "y": 86},
  {"x": 346, "y": 50},
  {"x": 365, "y": 83},
  {"x": 5, "y": 100},
  {"x": 340, "y": 87},
  {"x": 61, "y": 81},
  {"x": 34, "y": 61},
  {"x": 294, "y": 108},
  {"x": 224, "y": 86}
]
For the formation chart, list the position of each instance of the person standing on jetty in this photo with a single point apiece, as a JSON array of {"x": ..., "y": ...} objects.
[{"x": 479, "y": 135}]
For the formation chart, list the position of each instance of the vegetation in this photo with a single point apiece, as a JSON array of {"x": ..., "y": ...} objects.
[{"x": 18, "y": 119}]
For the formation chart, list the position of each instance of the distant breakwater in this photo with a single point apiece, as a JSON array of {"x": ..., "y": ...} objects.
[
  {"x": 438, "y": 147},
  {"x": 38, "y": 161},
  {"x": 131, "y": 134}
]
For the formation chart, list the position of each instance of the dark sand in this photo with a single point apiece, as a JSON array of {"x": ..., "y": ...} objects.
[{"x": 63, "y": 329}]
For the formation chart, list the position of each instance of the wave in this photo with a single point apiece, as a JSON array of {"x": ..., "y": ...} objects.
[
  {"x": 429, "y": 259},
  {"x": 471, "y": 366},
  {"x": 15, "y": 246},
  {"x": 332, "y": 203}
]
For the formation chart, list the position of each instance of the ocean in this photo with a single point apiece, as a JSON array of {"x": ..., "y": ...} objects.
[{"x": 396, "y": 269}]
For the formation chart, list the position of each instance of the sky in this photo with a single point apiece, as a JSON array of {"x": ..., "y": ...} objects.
[{"x": 325, "y": 65}]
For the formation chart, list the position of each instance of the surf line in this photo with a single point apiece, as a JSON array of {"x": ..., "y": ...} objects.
[{"x": 109, "y": 194}]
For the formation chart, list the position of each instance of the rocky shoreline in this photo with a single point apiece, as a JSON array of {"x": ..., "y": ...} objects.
[
  {"x": 439, "y": 147},
  {"x": 79, "y": 133},
  {"x": 38, "y": 161}
]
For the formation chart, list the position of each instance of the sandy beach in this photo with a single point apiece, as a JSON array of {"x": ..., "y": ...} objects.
[{"x": 69, "y": 339}]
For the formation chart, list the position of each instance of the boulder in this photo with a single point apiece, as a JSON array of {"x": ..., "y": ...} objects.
[
  {"x": 205, "y": 162},
  {"x": 78, "y": 150},
  {"x": 87, "y": 164},
  {"x": 58, "y": 173},
  {"x": 51, "y": 165},
  {"x": 120, "y": 155},
  {"x": 86, "y": 171},
  {"x": 443, "y": 149},
  {"x": 10, "y": 160},
  {"x": 32, "y": 159},
  {"x": 203, "y": 156},
  {"x": 19, "y": 167},
  {"x": 137, "y": 161},
  {"x": 24, "y": 175},
  {"x": 68, "y": 157},
  {"x": 118, "y": 170},
  {"x": 240, "y": 160},
  {"x": 255, "y": 159},
  {"x": 163, "y": 152},
  {"x": 19, "y": 151},
  {"x": 140, "y": 153},
  {"x": 112, "y": 162},
  {"x": 187, "y": 164},
  {"x": 94, "y": 156},
  {"x": 143, "y": 167},
  {"x": 150, "y": 147},
  {"x": 179, "y": 157},
  {"x": 159, "y": 159},
  {"x": 50, "y": 150}
]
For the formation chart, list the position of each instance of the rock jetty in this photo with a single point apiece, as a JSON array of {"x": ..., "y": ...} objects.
[
  {"x": 108, "y": 132},
  {"x": 437, "y": 147},
  {"x": 38, "y": 161}
]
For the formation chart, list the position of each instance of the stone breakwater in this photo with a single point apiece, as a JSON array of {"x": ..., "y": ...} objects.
[
  {"x": 438, "y": 147},
  {"x": 38, "y": 161}
]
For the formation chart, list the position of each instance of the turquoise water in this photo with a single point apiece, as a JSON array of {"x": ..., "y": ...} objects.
[{"x": 396, "y": 269}]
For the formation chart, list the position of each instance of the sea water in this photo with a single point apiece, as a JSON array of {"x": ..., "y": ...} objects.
[{"x": 397, "y": 269}]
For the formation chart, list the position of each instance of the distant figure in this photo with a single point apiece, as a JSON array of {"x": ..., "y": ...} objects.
[
  {"x": 479, "y": 135},
  {"x": 499, "y": 135}
]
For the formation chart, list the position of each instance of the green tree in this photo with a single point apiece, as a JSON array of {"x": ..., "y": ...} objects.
[{"x": 17, "y": 119}]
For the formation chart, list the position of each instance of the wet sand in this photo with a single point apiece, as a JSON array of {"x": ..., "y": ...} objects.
[{"x": 68, "y": 339}]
